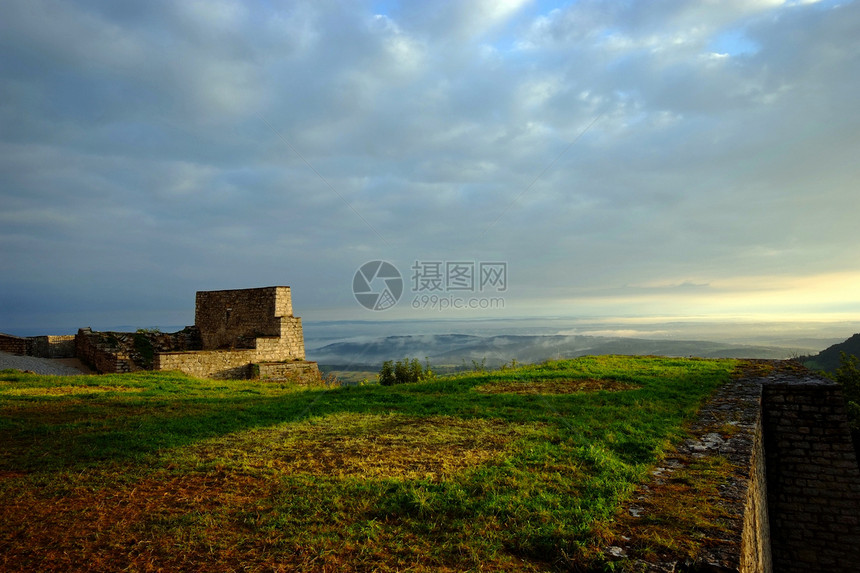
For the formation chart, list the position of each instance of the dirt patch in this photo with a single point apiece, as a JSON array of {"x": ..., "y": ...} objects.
[
  {"x": 366, "y": 445},
  {"x": 76, "y": 364},
  {"x": 555, "y": 386},
  {"x": 118, "y": 527}
]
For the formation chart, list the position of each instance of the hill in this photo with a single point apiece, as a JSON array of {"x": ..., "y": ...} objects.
[
  {"x": 453, "y": 350},
  {"x": 829, "y": 358}
]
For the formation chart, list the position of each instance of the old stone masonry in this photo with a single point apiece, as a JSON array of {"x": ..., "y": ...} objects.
[{"x": 243, "y": 333}]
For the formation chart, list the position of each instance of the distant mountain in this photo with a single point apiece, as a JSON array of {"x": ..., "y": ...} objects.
[
  {"x": 830, "y": 357},
  {"x": 457, "y": 349}
]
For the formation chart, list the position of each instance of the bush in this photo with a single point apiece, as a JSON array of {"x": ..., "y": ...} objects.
[
  {"x": 848, "y": 376},
  {"x": 404, "y": 372},
  {"x": 143, "y": 346}
]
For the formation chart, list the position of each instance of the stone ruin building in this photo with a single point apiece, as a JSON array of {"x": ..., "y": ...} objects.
[{"x": 237, "y": 334}]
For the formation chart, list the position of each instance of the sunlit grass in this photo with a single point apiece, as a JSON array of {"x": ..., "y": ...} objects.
[
  {"x": 360, "y": 445},
  {"x": 463, "y": 473},
  {"x": 554, "y": 386},
  {"x": 9, "y": 389}
]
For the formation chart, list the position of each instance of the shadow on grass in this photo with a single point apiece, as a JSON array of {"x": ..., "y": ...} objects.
[{"x": 76, "y": 431}]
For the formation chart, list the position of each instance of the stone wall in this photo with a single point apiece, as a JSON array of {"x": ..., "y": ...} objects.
[
  {"x": 62, "y": 346},
  {"x": 288, "y": 345},
  {"x": 744, "y": 494},
  {"x": 13, "y": 344},
  {"x": 744, "y": 498},
  {"x": 756, "y": 553},
  {"x": 234, "y": 329},
  {"x": 51, "y": 346},
  {"x": 814, "y": 481},
  {"x": 219, "y": 364},
  {"x": 301, "y": 371},
  {"x": 100, "y": 357},
  {"x": 235, "y": 318}
]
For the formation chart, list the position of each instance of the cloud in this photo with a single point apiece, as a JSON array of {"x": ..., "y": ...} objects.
[{"x": 175, "y": 147}]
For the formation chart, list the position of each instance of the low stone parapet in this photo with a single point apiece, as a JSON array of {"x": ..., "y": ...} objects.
[
  {"x": 14, "y": 344},
  {"x": 104, "y": 360},
  {"x": 219, "y": 364},
  {"x": 300, "y": 371},
  {"x": 51, "y": 346}
]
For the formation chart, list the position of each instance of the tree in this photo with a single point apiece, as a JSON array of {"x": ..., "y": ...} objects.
[
  {"x": 386, "y": 375},
  {"x": 416, "y": 373},
  {"x": 401, "y": 372},
  {"x": 848, "y": 376}
]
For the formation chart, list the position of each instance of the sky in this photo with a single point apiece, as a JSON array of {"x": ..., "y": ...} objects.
[{"x": 507, "y": 158}]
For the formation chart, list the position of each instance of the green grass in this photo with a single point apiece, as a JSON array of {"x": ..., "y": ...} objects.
[{"x": 162, "y": 470}]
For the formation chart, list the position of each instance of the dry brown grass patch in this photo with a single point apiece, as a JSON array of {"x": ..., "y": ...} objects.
[
  {"x": 555, "y": 386},
  {"x": 111, "y": 529},
  {"x": 365, "y": 445}
]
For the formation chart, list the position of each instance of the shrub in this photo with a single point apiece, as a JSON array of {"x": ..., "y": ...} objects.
[
  {"x": 848, "y": 376},
  {"x": 404, "y": 372},
  {"x": 143, "y": 346}
]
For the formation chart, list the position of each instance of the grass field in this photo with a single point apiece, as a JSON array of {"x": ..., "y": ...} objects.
[{"x": 513, "y": 470}]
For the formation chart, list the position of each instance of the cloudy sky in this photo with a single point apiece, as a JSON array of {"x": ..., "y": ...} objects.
[{"x": 661, "y": 158}]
